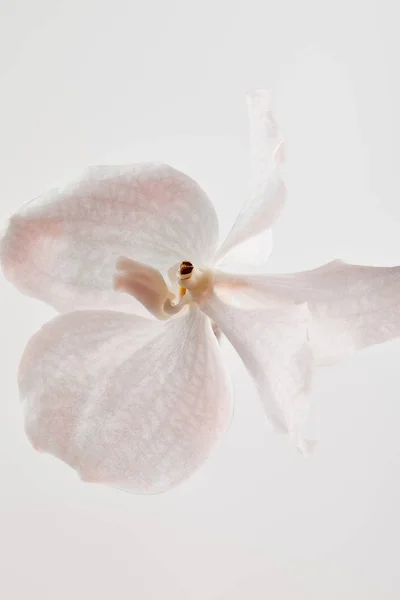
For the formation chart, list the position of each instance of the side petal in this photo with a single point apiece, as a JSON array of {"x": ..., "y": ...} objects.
[
  {"x": 274, "y": 348},
  {"x": 352, "y": 306},
  {"x": 267, "y": 191},
  {"x": 63, "y": 246},
  {"x": 133, "y": 403}
]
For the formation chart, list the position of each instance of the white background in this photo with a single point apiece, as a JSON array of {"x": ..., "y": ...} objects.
[{"x": 113, "y": 81}]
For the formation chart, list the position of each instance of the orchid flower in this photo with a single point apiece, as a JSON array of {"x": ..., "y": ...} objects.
[{"x": 128, "y": 386}]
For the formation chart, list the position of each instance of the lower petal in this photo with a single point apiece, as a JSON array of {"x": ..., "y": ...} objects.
[
  {"x": 274, "y": 348},
  {"x": 133, "y": 403}
]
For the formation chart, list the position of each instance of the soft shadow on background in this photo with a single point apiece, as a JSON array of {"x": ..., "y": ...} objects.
[{"x": 97, "y": 82}]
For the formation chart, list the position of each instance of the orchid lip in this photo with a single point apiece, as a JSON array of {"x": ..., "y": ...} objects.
[
  {"x": 195, "y": 284},
  {"x": 149, "y": 287}
]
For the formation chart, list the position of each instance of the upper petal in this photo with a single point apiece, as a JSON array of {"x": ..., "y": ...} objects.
[
  {"x": 267, "y": 191},
  {"x": 62, "y": 247},
  {"x": 250, "y": 256},
  {"x": 274, "y": 347},
  {"x": 129, "y": 402},
  {"x": 352, "y": 306}
]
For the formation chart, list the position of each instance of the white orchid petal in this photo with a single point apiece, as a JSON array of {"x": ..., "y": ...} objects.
[
  {"x": 268, "y": 192},
  {"x": 62, "y": 247},
  {"x": 129, "y": 402},
  {"x": 250, "y": 256},
  {"x": 274, "y": 348},
  {"x": 352, "y": 306}
]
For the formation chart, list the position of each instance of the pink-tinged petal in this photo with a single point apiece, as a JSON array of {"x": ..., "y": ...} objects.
[
  {"x": 267, "y": 192},
  {"x": 134, "y": 403},
  {"x": 274, "y": 348},
  {"x": 352, "y": 306},
  {"x": 63, "y": 246}
]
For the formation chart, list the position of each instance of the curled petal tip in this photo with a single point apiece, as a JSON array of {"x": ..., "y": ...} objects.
[
  {"x": 119, "y": 282},
  {"x": 123, "y": 263}
]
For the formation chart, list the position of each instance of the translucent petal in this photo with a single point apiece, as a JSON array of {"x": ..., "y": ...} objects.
[
  {"x": 267, "y": 192},
  {"x": 62, "y": 247},
  {"x": 133, "y": 403},
  {"x": 250, "y": 257},
  {"x": 352, "y": 306},
  {"x": 274, "y": 348}
]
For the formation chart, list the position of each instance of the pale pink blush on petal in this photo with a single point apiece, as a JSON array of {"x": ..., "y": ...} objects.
[
  {"x": 29, "y": 241},
  {"x": 133, "y": 403},
  {"x": 72, "y": 236}
]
